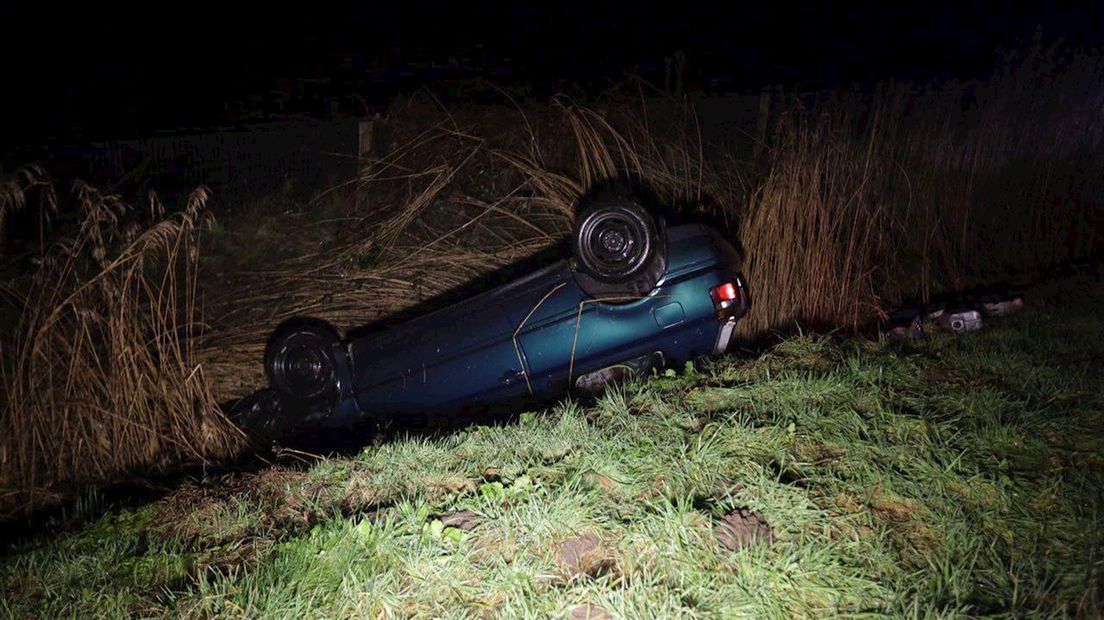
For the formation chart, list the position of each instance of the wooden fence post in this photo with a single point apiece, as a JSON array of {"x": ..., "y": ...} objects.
[
  {"x": 764, "y": 122},
  {"x": 367, "y": 148},
  {"x": 367, "y": 136}
]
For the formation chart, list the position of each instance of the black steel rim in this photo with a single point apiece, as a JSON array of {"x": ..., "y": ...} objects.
[
  {"x": 302, "y": 367},
  {"x": 613, "y": 243}
]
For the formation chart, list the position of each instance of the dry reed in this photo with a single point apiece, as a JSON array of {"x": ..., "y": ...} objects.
[{"x": 100, "y": 378}]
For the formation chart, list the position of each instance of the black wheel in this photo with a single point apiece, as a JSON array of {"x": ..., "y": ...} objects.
[
  {"x": 617, "y": 248},
  {"x": 299, "y": 361}
]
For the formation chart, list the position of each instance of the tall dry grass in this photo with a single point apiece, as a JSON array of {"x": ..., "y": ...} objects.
[
  {"x": 869, "y": 201},
  {"x": 99, "y": 376}
]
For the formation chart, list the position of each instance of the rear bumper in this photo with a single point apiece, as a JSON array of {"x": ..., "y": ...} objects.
[{"x": 724, "y": 337}]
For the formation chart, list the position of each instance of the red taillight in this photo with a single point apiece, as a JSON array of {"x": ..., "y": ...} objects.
[
  {"x": 724, "y": 292},
  {"x": 730, "y": 299}
]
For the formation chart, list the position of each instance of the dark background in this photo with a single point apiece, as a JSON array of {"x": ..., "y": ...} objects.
[{"x": 93, "y": 72}]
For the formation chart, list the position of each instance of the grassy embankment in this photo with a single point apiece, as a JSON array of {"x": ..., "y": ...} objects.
[{"x": 955, "y": 475}]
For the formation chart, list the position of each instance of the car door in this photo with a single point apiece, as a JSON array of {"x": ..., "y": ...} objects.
[
  {"x": 462, "y": 355},
  {"x": 573, "y": 334}
]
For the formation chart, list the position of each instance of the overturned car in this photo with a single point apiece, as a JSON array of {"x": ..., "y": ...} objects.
[{"x": 635, "y": 294}]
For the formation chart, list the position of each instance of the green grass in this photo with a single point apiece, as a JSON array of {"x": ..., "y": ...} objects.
[{"x": 956, "y": 476}]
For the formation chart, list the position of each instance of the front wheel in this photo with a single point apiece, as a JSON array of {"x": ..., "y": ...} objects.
[
  {"x": 617, "y": 249},
  {"x": 299, "y": 361}
]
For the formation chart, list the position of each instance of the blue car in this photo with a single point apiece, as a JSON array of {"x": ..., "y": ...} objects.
[{"x": 634, "y": 295}]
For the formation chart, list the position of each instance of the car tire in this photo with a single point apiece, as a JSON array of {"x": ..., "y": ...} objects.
[
  {"x": 617, "y": 249},
  {"x": 299, "y": 361}
]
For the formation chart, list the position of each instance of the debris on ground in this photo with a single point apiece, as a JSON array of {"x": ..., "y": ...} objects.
[
  {"x": 906, "y": 323},
  {"x": 914, "y": 330},
  {"x": 960, "y": 321},
  {"x": 934, "y": 310},
  {"x": 1000, "y": 307}
]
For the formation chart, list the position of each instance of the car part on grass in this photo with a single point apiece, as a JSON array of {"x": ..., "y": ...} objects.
[
  {"x": 1002, "y": 307},
  {"x": 904, "y": 316},
  {"x": 914, "y": 330},
  {"x": 906, "y": 323},
  {"x": 960, "y": 321},
  {"x": 524, "y": 342},
  {"x": 934, "y": 310}
]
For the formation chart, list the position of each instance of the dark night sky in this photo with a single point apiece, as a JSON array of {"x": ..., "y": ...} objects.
[{"x": 104, "y": 73}]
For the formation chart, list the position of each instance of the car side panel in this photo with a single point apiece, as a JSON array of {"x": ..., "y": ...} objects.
[
  {"x": 678, "y": 320},
  {"x": 463, "y": 354},
  {"x": 571, "y": 334},
  {"x": 466, "y": 354}
]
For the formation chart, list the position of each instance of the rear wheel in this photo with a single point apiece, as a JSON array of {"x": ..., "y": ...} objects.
[
  {"x": 617, "y": 248},
  {"x": 299, "y": 361}
]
